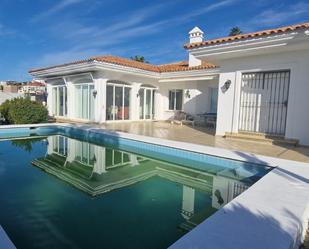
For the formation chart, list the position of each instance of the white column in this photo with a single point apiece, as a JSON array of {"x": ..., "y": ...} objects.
[
  {"x": 50, "y": 145},
  {"x": 71, "y": 99},
  {"x": 50, "y": 99},
  {"x": 133, "y": 160},
  {"x": 135, "y": 101},
  {"x": 100, "y": 101},
  {"x": 72, "y": 144},
  {"x": 188, "y": 197},
  {"x": 100, "y": 164}
]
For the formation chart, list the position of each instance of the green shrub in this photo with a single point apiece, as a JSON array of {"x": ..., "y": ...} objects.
[
  {"x": 4, "y": 109},
  {"x": 23, "y": 111}
]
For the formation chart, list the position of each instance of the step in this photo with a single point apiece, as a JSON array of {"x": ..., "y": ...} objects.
[{"x": 261, "y": 138}]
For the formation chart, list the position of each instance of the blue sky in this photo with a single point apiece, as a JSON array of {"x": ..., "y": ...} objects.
[{"x": 35, "y": 33}]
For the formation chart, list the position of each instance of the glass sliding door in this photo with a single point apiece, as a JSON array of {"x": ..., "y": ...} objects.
[
  {"x": 118, "y": 103},
  {"x": 59, "y": 97},
  {"x": 84, "y": 100},
  {"x": 91, "y": 102},
  {"x": 61, "y": 101},
  {"x": 118, "y": 99},
  {"x": 54, "y": 100},
  {"x": 126, "y": 103},
  {"x": 146, "y": 105},
  {"x": 141, "y": 102},
  {"x": 110, "y": 103},
  {"x": 213, "y": 100}
]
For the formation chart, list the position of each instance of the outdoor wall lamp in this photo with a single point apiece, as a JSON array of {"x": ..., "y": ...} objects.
[
  {"x": 226, "y": 86},
  {"x": 94, "y": 93}
]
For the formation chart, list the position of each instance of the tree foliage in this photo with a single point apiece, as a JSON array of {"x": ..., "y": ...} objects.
[
  {"x": 235, "y": 31},
  {"x": 26, "y": 144},
  {"x": 23, "y": 111},
  {"x": 139, "y": 58}
]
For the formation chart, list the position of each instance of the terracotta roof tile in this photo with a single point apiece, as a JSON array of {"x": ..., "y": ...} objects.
[
  {"x": 36, "y": 83},
  {"x": 248, "y": 35},
  {"x": 173, "y": 67},
  {"x": 126, "y": 62},
  {"x": 184, "y": 66}
]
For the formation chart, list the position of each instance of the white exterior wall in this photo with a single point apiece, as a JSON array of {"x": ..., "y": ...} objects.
[
  {"x": 100, "y": 100},
  {"x": 297, "y": 116},
  {"x": 199, "y": 101}
]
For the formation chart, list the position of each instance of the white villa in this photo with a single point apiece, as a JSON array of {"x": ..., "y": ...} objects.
[{"x": 256, "y": 83}]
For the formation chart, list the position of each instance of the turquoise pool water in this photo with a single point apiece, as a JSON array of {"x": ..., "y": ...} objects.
[{"x": 60, "y": 192}]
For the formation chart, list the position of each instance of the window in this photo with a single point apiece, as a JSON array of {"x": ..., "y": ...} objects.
[
  {"x": 59, "y": 95},
  {"x": 213, "y": 100},
  {"x": 175, "y": 100},
  {"x": 84, "y": 101},
  {"x": 118, "y": 99}
]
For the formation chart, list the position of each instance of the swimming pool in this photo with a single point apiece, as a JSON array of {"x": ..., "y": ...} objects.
[{"x": 75, "y": 188}]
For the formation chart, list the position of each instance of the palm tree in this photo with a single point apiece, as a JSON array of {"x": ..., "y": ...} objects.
[
  {"x": 139, "y": 58},
  {"x": 235, "y": 31}
]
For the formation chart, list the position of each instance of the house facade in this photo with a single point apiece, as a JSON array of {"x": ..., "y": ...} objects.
[
  {"x": 33, "y": 87},
  {"x": 256, "y": 83}
]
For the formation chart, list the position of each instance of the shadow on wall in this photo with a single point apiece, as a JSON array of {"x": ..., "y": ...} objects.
[
  {"x": 236, "y": 226},
  {"x": 199, "y": 103}
]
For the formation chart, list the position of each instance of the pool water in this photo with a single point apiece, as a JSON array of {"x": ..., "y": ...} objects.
[{"x": 59, "y": 192}]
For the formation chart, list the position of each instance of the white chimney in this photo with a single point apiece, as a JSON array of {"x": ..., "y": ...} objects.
[{"x": 196, "y": 35}]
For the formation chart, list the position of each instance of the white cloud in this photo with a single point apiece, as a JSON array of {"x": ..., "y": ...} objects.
[
  {"x": 55, "y": 9},
  {"x": 273, "y": 17},
  {"x": 87, "y": 40}
]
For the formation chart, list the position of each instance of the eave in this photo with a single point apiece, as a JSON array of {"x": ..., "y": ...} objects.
[
  {"x": 256, "y": 46},
  {"x": 93, "y": 66}
]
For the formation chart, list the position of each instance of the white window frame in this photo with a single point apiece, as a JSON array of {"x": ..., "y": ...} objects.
[
  {"x": 175, "y": 99},
  {"x": 114, "y": 85},
  {"x": 153, "y": 91},
  {"x": 88, "y": 98},
  {"x": 55, "y": 106}
]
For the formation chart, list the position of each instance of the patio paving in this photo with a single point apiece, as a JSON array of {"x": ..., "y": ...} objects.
[{"x": 205, "y": 136}]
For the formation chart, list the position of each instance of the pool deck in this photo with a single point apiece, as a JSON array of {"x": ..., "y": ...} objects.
[
  {"x": 5, "y": 241},
  {"x": 205, "y": 136}
]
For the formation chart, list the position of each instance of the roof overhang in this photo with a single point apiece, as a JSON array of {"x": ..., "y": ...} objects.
[
  {"x": 92, "y": 66},
  {"x": 284, "y": 42}
]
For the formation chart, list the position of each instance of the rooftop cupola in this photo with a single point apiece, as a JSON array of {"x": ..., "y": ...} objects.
[{"x": 196, "y": 35}]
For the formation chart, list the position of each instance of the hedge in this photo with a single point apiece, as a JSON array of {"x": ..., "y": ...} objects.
[{"x": 23, "y": 111}]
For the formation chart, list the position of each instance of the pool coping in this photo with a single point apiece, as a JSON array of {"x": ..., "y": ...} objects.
[
  {"x": 5, "y": 241},
  {"x": 282, "y": 224}
]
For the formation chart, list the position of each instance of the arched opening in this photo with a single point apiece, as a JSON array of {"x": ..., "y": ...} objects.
[{"x": 118, "y": 100}]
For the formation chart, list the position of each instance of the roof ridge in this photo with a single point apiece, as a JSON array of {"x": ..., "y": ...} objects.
[{"x": 281, "y": 29}]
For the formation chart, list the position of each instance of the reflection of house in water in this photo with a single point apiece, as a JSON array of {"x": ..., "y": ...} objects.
[{"x": 95, "y": 170}]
